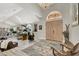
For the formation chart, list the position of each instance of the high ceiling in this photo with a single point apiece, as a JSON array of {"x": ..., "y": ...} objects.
[{"x": 14, "y": 14}]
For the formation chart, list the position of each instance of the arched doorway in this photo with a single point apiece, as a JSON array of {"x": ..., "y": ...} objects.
[{"x": 54, "y": 26}]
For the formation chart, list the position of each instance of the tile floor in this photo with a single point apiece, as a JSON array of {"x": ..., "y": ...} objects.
[{"x": 26, "y": 48}]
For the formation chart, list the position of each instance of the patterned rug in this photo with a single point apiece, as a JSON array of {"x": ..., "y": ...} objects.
[{"x": 41, "y": 48}]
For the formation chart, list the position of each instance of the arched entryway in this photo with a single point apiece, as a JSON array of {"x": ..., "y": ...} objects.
[{"x": 54, "y": 26}]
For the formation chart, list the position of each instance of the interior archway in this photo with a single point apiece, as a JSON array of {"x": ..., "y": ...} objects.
[
  {"x": 54, "y": 26},
  {"x": 54, "y": 15}
]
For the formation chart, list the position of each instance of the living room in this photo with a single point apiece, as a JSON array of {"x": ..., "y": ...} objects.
[{"x": 37, "y": 29}]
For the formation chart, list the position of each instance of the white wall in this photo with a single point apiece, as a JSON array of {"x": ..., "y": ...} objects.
[
  {"x": 74, "y": 30},
  {"x": 66, "y": 10},
  {"x": 63, "y": 8},
  {"x": 40, "y": 34},
  {"x": 75, "y": 34}
]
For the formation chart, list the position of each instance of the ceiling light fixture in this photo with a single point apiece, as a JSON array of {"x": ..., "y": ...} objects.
[{"x": 44, "y": 5}]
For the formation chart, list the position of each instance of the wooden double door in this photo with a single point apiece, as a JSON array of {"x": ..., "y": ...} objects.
[{"x": 54, "y": 30}]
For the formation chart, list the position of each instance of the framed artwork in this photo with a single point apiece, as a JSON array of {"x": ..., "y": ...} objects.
[
  {"x": 40, "y": 27},
  {"x": 35, "y": 27},
  {"x": 75, "y": 15}
]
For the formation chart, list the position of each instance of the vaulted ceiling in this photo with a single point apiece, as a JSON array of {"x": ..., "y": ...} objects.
[{"x": 12, "y": 14}]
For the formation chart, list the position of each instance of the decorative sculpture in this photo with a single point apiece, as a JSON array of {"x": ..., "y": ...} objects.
[{"x": 66, "y": 32}]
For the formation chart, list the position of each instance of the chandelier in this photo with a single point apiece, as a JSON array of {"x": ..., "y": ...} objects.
[{"x": 44, "y": 5}]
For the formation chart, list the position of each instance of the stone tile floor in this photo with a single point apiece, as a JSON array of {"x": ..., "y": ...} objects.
[
  {"x": 36, "y": 48},
  {"x": 40, "y": 48}
]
